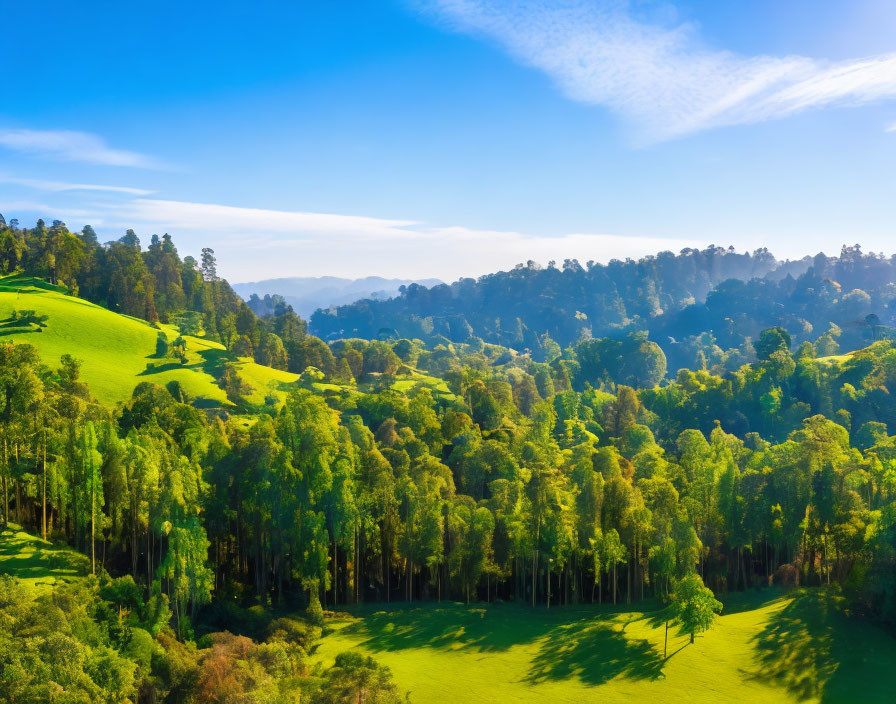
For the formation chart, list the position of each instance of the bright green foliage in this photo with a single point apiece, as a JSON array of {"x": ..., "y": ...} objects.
[
  {"x": 356, "y": 678},
  {"x": 90, "y": 483},
  {"x": 393, "y": 469},
  {"x": 694, "y": 605}
]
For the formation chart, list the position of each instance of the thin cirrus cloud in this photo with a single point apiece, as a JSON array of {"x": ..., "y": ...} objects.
[
  {"x": 60, "y": 186},
  {"x": 253, "y": 243},
  {"x": 256, "y": 243},
  {"x": 73, "y": 146},
  {"x": 663, "y": 79}
]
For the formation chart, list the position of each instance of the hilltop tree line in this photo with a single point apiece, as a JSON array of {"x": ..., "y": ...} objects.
[
  {"x": 155, "y": 284},
  {"x": 700, "y": 305}
]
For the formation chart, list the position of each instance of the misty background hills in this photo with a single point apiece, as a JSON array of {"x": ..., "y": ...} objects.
[
  {"x": 696, "y": 304},
  {"x": 307, "y": 294}
]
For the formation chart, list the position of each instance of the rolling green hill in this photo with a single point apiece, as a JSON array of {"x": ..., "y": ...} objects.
[
  {"x": 766, "y": 647},
  {"x": 118, "y": 352}
]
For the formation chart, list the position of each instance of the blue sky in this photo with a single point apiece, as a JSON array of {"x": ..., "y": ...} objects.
[{"x": 453, "y": 137}]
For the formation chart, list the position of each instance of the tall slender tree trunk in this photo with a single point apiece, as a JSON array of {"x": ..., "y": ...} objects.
[
  {"x": 5, "y": 502},
  {"x": 534, "y": 561},
  {"x": 5, "y": 487},
  {"x": 92, "y": 525},
  {"x": 134, "y": 537},
  {"x": 15, "y": 448},
  {"x": 148, "y": 566},
  {"x": 614, "y": 582},
  {"x": 44, "y": 516}
]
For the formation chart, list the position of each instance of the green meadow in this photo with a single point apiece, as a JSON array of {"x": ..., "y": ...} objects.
[
  {"x": 118, "y": 352},
  {"x": 38, "y": 564},
  {"x": 767, "y": 646}
]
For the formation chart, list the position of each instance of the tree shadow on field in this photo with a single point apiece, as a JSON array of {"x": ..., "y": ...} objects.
[
  {"x": 815, "y": 649},
  {"x": 486, "y": 630},
  {"x": 571, "y": 644},
  {"x": 169, "y": 367},
  {"x": 213, "y": 360},
  {"x": 26, "y": 557},
  {"x": 595, "y": 654}
]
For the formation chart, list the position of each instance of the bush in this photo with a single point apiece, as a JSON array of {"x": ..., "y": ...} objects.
[
  {"x": 356, "y": 678},
  {"x": 315, "y": 612}
]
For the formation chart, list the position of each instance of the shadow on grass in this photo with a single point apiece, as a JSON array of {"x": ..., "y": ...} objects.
[
  {"x": 169, "y": 366},
  {"x": 588, "y": 645},
  {"x": 29, "y": 558},
  {"x": 750, "y": 600},
  {"x": 213, "y": 360},
  {"x": 595, "y": 654},
  {"x": 814, "y": 649},
  {"x": 486, "y": 630}
]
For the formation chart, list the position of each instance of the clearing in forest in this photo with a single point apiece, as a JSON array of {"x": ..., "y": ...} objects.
[{"x": 766, "y": 647}]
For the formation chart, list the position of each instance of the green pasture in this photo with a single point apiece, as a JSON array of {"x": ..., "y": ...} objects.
[{"x": 766, "y": 647}]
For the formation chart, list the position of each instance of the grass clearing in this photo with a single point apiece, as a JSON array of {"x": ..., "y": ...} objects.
[
  {"x": 265, "y": 381},
  {"x": 767, "y": 647},
  {"x": 836, "y": 358},
  {"x": 39, "y": 564}
]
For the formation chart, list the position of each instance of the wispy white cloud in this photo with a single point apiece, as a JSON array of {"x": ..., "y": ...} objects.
[
  {"x": 891, "y": 128},
  {"x": 254, "y": 243},
  {"x": 58, "y": 186},
  {"x": 662, "y": 77},
  {"x": 230, "y": 219},
  {"x": 70, "y": 145},
  {"x": 18, "y": 208}
]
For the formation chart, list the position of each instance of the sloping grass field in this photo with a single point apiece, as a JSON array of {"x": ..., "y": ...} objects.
[
  {"x": 118, "y": 352},
  {"x": 766, "y": 647},
  {"x": 40, "y": 565}
]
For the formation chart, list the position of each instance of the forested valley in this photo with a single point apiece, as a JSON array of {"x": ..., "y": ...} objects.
[{"x": 675, "y": 429}]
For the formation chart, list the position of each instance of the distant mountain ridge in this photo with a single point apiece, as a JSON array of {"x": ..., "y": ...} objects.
[{"x": 307, "y": 294}]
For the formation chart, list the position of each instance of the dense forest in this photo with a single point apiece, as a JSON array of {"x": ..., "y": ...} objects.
[
  {"x": 697, "y": 305},
  {"x": 584, "y": 472}
]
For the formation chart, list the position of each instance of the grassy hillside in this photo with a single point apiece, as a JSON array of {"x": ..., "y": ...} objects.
[
  {"x": 37, "y": 563},
  {"x": 772, "y": 647},
  {"x": 118, "y": 352}
]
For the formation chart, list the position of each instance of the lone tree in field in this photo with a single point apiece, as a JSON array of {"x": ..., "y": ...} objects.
[{"x": 694, "y": 605}]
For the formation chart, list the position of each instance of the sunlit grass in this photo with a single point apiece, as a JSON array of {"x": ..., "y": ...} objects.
[
  {"x": 118, "y": 352},
  {"x": 766, "y": 647},
  {"x": 38, "y": 564}
]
